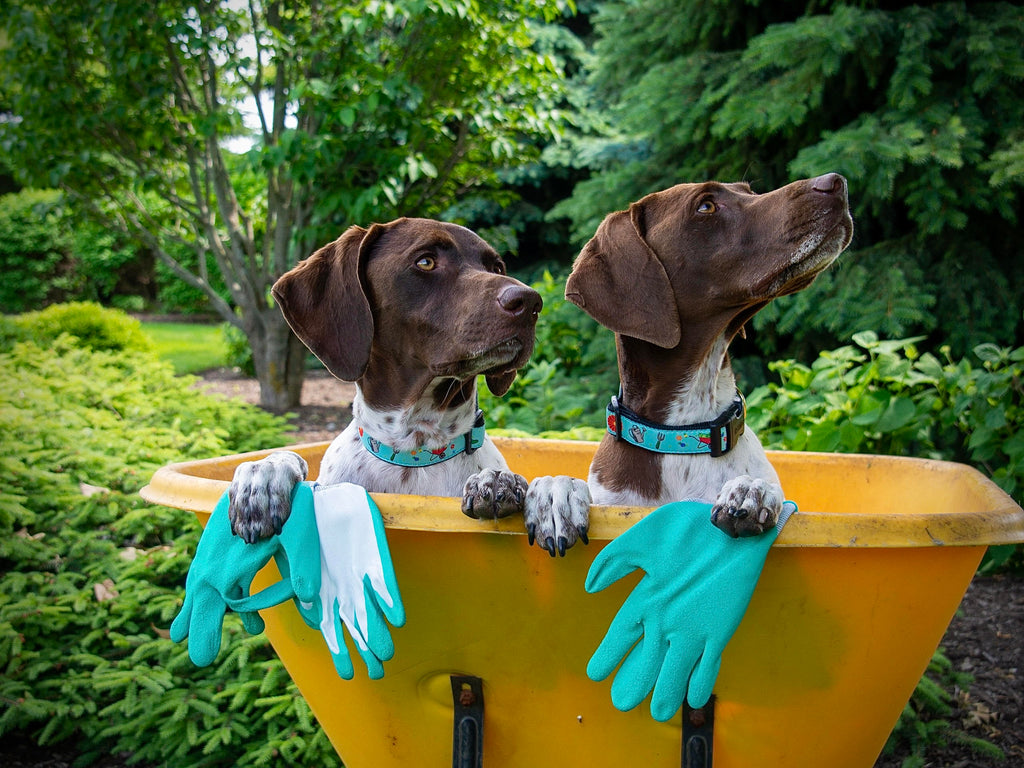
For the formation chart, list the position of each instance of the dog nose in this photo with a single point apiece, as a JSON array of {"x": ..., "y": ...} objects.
[
  {"x": 830, "y": 184},
  {"x": 517, "y": 300}
]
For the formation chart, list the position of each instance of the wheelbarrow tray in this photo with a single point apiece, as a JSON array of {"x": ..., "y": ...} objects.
[{"x": 854, "y": 598}]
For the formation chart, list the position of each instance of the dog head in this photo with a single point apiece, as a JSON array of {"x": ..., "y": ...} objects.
[
  {"x": 413, "y": 294},
  {"x": 708, "y": 255}
]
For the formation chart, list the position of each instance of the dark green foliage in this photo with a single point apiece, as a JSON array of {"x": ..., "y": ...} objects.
[
  {"x": 91, "y": 576},
  {"x": 49, "y": 257},
  {"x": 239, "y": 354},
  {"x": 570, "y": 376},
  {"x": 887, "y": 397},
  {"x": 33, "y": 248},
  {"x": 918, "y": 105}
]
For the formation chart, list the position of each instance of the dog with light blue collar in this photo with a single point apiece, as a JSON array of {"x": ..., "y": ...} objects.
[{"x": 414, "y": 312}]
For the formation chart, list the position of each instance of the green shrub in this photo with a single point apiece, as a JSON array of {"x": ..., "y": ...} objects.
[
  {"x": 91, "y": 576},
  {"x": 90, "y": 325},
  {"x": 885, "y": 397},
  {"x": 176, "y": 296},
  {"x": 34, "y": 250},
  {"x": 108, "y": 268},
  {"x": 47, "y": 254}
]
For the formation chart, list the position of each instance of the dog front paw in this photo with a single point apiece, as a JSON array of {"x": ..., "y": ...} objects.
[
  {"x": 493, "y": 493},
  {"x": 747, "y": 506},
  {"x": 557, "y": 512},
  {"x": 260, "y": 494}
]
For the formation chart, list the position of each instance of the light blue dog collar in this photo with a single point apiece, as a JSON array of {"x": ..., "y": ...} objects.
[
  {"x": 424, "y": 457},
  {"x": 712, "y": 437}
]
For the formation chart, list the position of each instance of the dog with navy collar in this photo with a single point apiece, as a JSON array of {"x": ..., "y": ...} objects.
[
  {"x": 677, "y": 276},
  {"x": 413, "y": 311}
]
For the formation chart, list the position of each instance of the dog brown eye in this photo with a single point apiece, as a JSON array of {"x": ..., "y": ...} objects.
[
  {"x": 707, "y": 206},
  {"x": 426, "y": 263}
]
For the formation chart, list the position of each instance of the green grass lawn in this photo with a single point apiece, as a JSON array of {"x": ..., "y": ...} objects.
[{"x": 190, "y": 347}]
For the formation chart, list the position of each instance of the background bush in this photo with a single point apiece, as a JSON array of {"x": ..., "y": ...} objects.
[
  {"x": 86, "y": 325},
  {"x": 33, "y": 246},
  {"x": 886, "y": 397},
  {"x": 49, "y": 256},
  {"x": 91, "y": 576}
]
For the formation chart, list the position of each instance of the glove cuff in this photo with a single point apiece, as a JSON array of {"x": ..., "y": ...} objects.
[{"x": 789, "y": 509}]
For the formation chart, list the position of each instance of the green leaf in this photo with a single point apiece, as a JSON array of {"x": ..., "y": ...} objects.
[
  {"x": 347, "y": 115},
  {"x": 900, "y": 412}
]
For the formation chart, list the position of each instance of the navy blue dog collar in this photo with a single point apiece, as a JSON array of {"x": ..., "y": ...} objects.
[
  {"x": 423, "y": 457},
  {"x": 716, "y": 437}
]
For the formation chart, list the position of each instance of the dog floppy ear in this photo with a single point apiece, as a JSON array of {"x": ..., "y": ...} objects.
[
  {"x": 323, "y": 300},
  {"x": 619, "y": 281}
]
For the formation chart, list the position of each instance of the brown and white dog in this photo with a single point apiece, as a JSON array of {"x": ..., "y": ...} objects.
[
  {"x": 413, "y": 311},
  {"x": 677, "y": 276}
]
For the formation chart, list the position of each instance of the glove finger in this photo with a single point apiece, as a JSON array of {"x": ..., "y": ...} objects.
[
  {"x": 619, "y": 558},
  {"x": 329, "y": 625},
  {"x": 204, "y": 635},
  {"x": 702, "y": 681},
  {"x": 384, "y": 594},
  {"x": 389, "y": 596},
  {"x": 671, "y": 686},
  {"x": 343, "y": 663},
  {"x": 638, "y": 673},
  {"x": 374, "y": 668},
  {"x": 623, "y": 633},
  {"x": 388, "y": 600},
  {"x": 180, "y": 625},
  {"x": 252, "y": 622},
  {"x": 339, "y": 654},
  {"x": 299, "y": 542},
  {"x": 309, "y": 611},
  {"x": 377, "y": 634}
]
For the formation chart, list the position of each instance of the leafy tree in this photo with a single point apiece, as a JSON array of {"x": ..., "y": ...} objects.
[
  {"x": 364, "y": 110},
  {"x": 919, "y": 105}
]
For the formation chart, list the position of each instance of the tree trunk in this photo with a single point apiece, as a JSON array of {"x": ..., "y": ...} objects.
[{"x": 280, "y": 361}]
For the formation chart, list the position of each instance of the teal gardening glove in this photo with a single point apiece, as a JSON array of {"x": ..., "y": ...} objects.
[
  {"x": 673, "y": 627},
  {"x": 223, "y": 569}
]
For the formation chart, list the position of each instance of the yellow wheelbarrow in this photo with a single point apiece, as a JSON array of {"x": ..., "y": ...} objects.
[{"x": 854, "y": 598}]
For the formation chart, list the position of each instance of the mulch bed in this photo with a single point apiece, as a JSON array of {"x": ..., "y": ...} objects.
[{"x": 986, "y": 640}]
